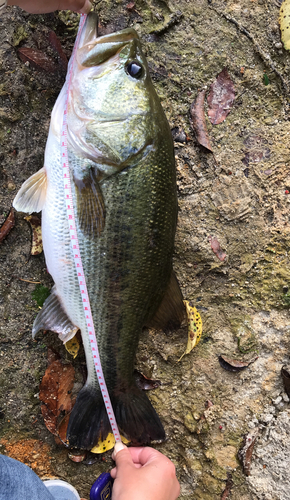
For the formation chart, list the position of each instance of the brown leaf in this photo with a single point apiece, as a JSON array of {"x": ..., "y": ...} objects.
[
  {"x": 37, "y": 59},
  {"x": 285, "y": 372},
  {"x": 234, "y": 365},
  {"x": 56, "y": 45},
  {"x": 229, "y": 485},
  {"x": 145, "y": 383},
  {"x": 221, "y": 97},
  {"x": 35, "y": 223},
  {"x": 55, "y": 389},
  {"x": 216, "y": 248},
  {"x": 246, "y": 451},
  {"x": 62, "y": 429},
  {"x": 197, "y": 121},
  {"x": 7, "y": 225},
  {"x": 256, "y": 149},
  {"x": 50, "y": 419}
]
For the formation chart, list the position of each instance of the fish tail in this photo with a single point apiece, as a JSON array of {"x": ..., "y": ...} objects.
[
  {"x": 88, "y": 420},
  {"x": 135, "y": 416}
]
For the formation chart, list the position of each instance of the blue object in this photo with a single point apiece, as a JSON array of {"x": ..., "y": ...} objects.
[
  {"x": 19, "y": 481},
  {"x": 102, "y": 487}
]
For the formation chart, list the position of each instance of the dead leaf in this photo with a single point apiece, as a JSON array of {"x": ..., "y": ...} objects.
[
  {"x": 246, "y": 451},
  {"x": 55, "y": 393},
  {"x": 7, "y": 225},
  {"x": 35, "y": 223},
  {"x": 216, "y": 248},
  {"x": 256, "y": 149},
  {"x": 229, "y": 484},
  {"x": 62, "y": 426},
  {"x": 73, "y": 346},
  {"x": 107, "y": 444},
  {"x": 285, "y": 372},
  {"x": 197, "y": 121},
  {"x": 194, "y": 325},
  {"x": 37, "y": 59},
  {"x": 145, "y": 383},
  {"x": 221, "y": 97},
  {"x": 56, "y": 45},
  {"x": 234, "y": 365}
]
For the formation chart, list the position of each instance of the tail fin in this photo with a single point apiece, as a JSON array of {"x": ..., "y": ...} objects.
[{"x": 136, "y": 418}]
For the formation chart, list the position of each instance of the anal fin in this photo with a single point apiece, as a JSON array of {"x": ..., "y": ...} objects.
[
  {"x": 32, "y": 194},
  {"x": 171, "y": 311},
  {"x": 53, "y": 317}
]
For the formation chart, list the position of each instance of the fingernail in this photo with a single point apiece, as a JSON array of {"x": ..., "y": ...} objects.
[
  {"x": 118, "y": 447},
  {"x": 86, "y": 8}
]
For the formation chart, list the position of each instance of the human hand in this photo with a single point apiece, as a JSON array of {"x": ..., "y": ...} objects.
[
  {"x": 143, "y": 474},
  {"x": 43, "y": 6}
]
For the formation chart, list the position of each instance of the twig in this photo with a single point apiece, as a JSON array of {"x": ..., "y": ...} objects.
[
  {"x": 7, "y": 226},
  {"x": 28, "y": 281},
  {"x": 265, "y": 57}
]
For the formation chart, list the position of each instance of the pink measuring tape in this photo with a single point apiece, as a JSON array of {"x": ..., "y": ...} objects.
[{"x": 75, "y": 248}]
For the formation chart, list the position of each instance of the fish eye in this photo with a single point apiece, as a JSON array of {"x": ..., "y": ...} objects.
[{"x": 135, "y": 69}]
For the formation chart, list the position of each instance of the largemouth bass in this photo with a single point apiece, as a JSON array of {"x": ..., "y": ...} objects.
[{"x": 122, "y": 172}]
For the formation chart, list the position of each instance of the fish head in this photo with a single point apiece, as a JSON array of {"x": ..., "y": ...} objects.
[{"x": 114, "y": 113}]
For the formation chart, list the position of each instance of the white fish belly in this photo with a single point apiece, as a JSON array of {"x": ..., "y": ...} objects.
[{"x": 57, "y": 248}]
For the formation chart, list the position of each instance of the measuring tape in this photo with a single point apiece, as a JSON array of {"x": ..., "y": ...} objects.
[{"x": 76, "y": 249}]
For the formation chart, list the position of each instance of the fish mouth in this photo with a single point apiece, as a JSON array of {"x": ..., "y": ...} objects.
[{"x": 94, "y": 50}]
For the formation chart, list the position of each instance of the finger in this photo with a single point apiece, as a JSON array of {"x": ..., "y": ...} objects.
[
  {"x": 82, "y": 6},
  {"x": 86, "y": 8},
  {"x": 113, "y": 473},
  {"x": 118, "y": 447},
  {"x": 124, "y": 462},
  {"x": 145, "y": 455}
]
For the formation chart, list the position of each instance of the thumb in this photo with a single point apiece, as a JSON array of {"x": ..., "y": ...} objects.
[
  {"x": 118, "y": 447},
  {"x": 86, "y": 7},
  {"x": 122, "y": 457}
]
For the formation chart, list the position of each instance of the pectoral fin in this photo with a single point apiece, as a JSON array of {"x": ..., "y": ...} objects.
[
  {"x": 90, "y": 204},
  {"x": 32, "y": 194},
  {"x": 171, "y": 311},
  {"x": 53, "y": 317}
]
